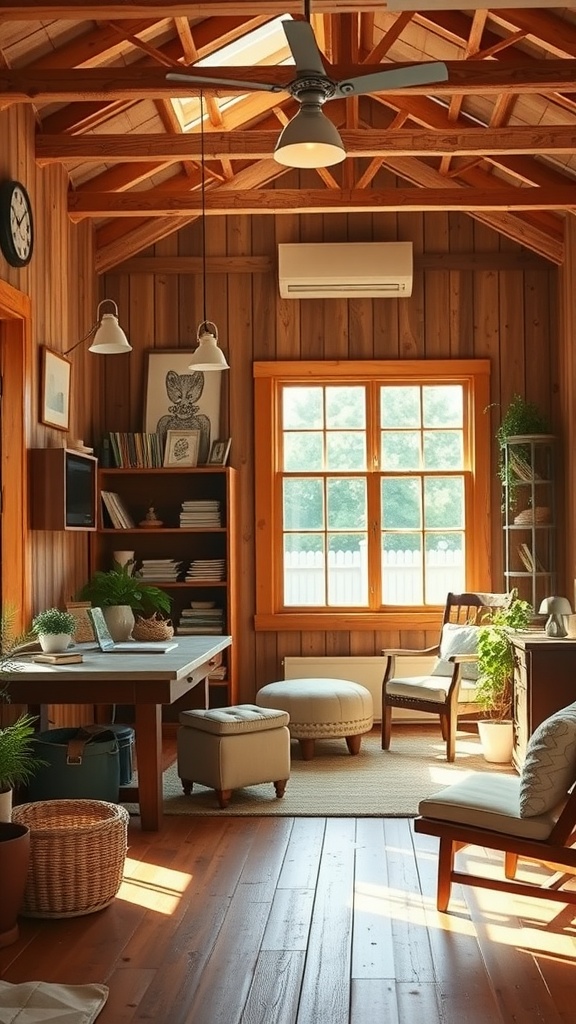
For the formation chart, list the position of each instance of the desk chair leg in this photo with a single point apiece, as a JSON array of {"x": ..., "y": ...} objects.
[
  {"x": 386, "y": 726},
  {"x": 444, "y": 727},
  {"x": 510, "y": 864},
  {"x": 451, "y": 726},
  {"x": 445, "y": 868}
]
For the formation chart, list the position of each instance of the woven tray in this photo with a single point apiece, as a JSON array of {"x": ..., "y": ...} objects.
[{"x": 77, "y": 854}]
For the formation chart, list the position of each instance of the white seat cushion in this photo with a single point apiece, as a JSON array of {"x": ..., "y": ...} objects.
[
  {"x": 549, "y": 768},
  {"x": 428, "y": 688},
  {"x": 491, "y": 801}
]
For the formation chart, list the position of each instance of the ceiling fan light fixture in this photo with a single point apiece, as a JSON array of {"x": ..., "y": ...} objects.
[{"x": 309, "y": 140}]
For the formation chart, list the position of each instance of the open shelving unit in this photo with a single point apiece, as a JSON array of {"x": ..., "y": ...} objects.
[
  {"x": 166, "y": 488},
  {"x": 530, "y": 517}
]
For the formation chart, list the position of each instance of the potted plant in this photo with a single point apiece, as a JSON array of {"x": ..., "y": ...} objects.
[
  {"x": 120, "y": 594},
  {"x": 495, "y": 678},
  {"x": 54, "y": 629},
  {"x": 520, "y": 419}
]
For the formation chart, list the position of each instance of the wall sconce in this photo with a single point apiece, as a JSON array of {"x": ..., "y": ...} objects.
[
  {"x": 555, "y": 608},
  {"x": 109, "y": 338}
]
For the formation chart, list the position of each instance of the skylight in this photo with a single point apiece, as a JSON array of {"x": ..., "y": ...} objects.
[{"x": 265, "y": 45}]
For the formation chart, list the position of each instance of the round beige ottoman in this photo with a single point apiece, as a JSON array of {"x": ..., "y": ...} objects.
[{"x": 321, "y": 709}]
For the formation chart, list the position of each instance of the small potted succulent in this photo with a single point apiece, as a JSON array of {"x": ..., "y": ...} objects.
[{"x": 54, "y": 629}]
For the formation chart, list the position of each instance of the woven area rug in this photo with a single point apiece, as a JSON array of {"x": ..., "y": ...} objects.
[{"x": 376, "y": 782}]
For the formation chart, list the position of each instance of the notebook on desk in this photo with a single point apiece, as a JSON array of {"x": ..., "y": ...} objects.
[{"x": 109, "y": 646}]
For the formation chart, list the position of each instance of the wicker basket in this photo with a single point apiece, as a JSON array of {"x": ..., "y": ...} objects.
[
  {"x": 77, "y": 854},
  {"x": 154, "y": 628}
]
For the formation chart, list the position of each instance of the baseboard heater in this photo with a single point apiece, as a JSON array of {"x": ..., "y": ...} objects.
[{"x": 367, "y": 670}]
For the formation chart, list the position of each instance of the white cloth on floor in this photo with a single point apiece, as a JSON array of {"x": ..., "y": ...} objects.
[{"x": 36, "y": 1002}]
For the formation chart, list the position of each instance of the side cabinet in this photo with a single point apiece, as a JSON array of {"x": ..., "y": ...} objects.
[{"x": 544, "y": 682}]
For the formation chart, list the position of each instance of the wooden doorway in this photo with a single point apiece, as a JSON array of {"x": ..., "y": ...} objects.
[{"x": 15, "y": 367}]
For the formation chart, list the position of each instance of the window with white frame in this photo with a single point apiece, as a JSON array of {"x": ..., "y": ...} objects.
[{"x": 371, "y": 481}]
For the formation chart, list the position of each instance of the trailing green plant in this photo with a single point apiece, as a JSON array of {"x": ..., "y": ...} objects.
[
  {"x": 17, "y": 763},
  {"x": 118, "y": 586},
  {"x": 496, "y": 658},
  {"x": 521, "y": 418},
  {"x": 53, "y": 621}
]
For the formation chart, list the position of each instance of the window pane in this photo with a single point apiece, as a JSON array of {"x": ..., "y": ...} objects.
[
  {"x": 400, "y": 406},
  {"x": 444, "y": 502},
  {"x": 302, "y": 452},
  {"x": 400, "y": 450},
  {"x": 304, "y": 569},
  {"x": 346, "y": 504},
  {"x": 443, "y": 449},
  {"x": 444, "y": 566},
  {"x": 302, "y": 407},
  {"x": 402, "y": 569},
  {"x": 443, "y": 405},
  {"x": 401, "y": 504},
  {"x": 345, "y": 451},
  {"x": 345, "y": 407},
  {"x": 303, "y": 504},
  {"x": 347, "y": 569}
]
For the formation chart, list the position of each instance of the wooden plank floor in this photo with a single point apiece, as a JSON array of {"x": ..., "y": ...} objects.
[{"x": 305, "y": 921}]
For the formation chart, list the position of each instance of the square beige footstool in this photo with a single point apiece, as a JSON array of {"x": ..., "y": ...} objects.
[{"x": 228, "y": 748}]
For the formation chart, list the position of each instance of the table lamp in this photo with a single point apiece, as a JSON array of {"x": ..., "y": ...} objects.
[{"x": 555, "y": 608}]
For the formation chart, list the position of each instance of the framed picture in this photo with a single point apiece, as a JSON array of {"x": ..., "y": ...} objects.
[
  {"x": 55, "y": 390},
  {"x": 177, "y": 398},
  {"x": 181, "y": 448},
  {"x": 219, "y": 451}
]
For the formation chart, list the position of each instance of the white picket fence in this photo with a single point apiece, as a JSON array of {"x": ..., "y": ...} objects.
[{"x": 304, "y": 577}]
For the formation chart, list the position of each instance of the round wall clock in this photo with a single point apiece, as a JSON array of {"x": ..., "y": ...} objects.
[{"x": 16, "y": 224}]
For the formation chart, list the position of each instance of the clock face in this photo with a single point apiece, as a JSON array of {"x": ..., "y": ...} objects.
[{"x": 16, "y": 225}]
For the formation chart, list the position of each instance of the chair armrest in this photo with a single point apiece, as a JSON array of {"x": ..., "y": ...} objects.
[
  {"x": 398, "y": 652},
  {"x": 459, "y": 659}
]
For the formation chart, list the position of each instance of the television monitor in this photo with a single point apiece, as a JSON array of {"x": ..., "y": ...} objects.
[{"x": 79, "y": 490}]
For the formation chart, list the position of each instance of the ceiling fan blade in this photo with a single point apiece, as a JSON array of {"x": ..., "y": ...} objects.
[
  {"x": 380, "y": 81},
  {"x": 198, "y": 81},
  {"x": 302, "y": 42}
]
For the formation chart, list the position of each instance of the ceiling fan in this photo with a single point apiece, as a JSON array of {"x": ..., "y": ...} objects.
[{"x": 310, "y": 139}]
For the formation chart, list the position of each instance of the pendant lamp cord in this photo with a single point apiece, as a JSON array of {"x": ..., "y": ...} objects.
[{"x": 203, "y": 197}]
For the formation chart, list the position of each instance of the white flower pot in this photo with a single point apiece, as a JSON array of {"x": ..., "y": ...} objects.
[
  {"x": 6, "y": 805},
  {"x": 497, "y": 740},
  {"x": 120, "y": 621},
  {"x": 54, "y": 643}
]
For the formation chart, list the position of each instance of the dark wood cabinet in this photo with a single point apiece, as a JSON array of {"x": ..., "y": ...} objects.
[
  {"x": 63, "y": 492},
  {"x": 544, "y": 682}
]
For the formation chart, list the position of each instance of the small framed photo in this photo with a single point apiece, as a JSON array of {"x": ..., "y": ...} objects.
[
  {"x": 55, "y": 390},
  {"x": 219, "y": 451},
  {"x": 182, "y": 448}
]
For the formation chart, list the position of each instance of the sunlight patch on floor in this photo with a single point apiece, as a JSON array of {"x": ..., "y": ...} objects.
[{"x": 153, "y": 887}]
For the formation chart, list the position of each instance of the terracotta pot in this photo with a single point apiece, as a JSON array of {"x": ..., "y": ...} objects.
[{"x": 14, "y": 861}]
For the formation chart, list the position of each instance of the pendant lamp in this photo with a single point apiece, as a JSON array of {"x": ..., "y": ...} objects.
[
  {"x": 208, "y": 355},
  {"x": 310, "y": 139}
]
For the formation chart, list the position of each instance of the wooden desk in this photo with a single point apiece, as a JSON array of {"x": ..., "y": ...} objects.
[
  {"x": 146, "y": 680},
  {"x": 544, "y": 682}
]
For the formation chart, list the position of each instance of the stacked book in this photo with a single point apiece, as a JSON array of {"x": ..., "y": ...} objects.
[
  {"x": 160, "y": 570},
  {"x": 204, "y": 514},
  {"x": 206, "y": 569},
  {"x": 117, "y": 511},
  {"x": 206, "y": 621}
]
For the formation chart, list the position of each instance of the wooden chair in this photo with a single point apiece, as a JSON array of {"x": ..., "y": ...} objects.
[
  {"x": 553, "y": 850},
  {"x": 450, "y": 690}
]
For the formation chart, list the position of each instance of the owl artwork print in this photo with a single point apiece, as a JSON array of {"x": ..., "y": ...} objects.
[{"x": 184, "y": 391}]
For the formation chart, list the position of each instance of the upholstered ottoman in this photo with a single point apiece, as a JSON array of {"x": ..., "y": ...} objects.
[
  {"x": 321, "y": 709},
  {"x": 227, "y": 748}
]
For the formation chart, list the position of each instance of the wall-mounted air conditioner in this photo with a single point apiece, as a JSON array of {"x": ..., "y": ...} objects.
[{"x": 323, "y": 270}]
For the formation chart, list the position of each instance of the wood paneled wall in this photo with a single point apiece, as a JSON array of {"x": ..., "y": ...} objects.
[
  {"x": 62, "y": 287},
  {"x": 475, "y": 295}
]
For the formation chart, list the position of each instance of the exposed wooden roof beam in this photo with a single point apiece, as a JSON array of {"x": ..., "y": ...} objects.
[
  {"x": 226, "y": 201},
  {"x": 254, "y": 144},
  {"x": 77, "y": 10},
  {"x": 141, "y": 82}
]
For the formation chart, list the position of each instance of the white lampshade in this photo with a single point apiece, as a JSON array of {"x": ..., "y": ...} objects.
[
  {"x": 109, "y": 338},
  {"x": 208, "y": 355},
  {"x": 555, "y": 608},
  {"x": 309, "y": 140}
]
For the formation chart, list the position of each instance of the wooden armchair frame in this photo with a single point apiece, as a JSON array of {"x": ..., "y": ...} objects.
[
  {"x": 555, "y": 852},
  {"x": 464, "y": 609}
]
